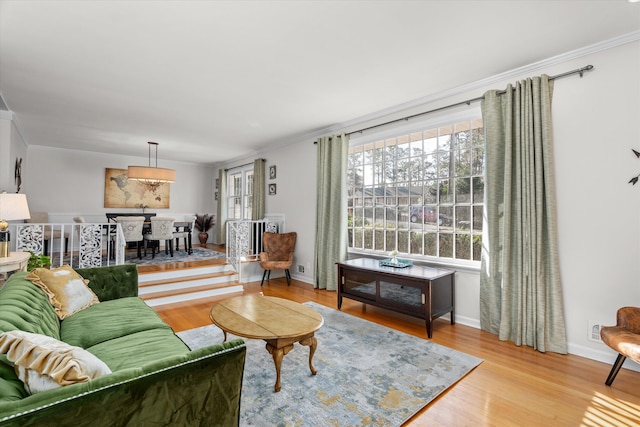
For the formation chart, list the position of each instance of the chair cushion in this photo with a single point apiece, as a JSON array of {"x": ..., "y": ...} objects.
[
  {"x": 44, "y": 363},
  {"x": 622, "y": 340},
  {"x": 67, "y": 290}
]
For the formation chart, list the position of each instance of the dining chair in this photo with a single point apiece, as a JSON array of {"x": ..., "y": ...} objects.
[
  {"x": 132, "y": 229},
  {"x": 185, "y": 234},
  {"x": 161, "y": 229}
]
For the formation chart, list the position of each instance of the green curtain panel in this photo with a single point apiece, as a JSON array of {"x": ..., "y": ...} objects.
[
  {"x": 221, "y": 221},
  {"x": 520, "y": 286},
  {"x": 331, "y": 212},
  {"x": 257, "y": 202}
]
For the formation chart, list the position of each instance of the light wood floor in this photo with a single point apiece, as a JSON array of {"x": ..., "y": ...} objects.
[{"x": 514, "y": 386}]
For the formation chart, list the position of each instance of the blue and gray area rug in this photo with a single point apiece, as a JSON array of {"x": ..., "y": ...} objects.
[
  {"x": 178, "y": 256},
  {"x": 131, "y": 257},
  {"x": 368, "y": 375}
]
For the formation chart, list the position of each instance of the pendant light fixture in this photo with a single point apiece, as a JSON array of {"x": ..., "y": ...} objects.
[{"x": 152, "y": 174}]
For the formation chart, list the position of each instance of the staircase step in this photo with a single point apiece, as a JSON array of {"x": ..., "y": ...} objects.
[
  {"x": 177, "y": 274},
  {"x": 185, "y": 284},
  {"x": 171, "y": 299}
]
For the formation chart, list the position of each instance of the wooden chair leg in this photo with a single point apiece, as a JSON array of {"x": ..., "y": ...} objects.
[
  {"x": 615, "y": 368},
  {"x": 287, "y": 274}
]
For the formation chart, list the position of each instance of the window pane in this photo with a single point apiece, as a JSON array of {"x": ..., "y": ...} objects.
[
  {"x": 419, "y": 193},
  {"x": 368, "y": 238},
  {"x": 477, "y": 218},
  {"x": 477, "y": 247},
  {"x": 431, "y": 244},
  {"x": 445, "y": 191},
  {"x": 446, "y": 245},
  {"x": 390, "y": 241},
  {"x": 478, "y": 189},
  {"x": 416, "y": 243},
  {"x": 444, "y": 138},
  {"x": 463, "y": 190},
  {"x": 379, "y": 240},
  {"x": 463, "y": 217},
  {"x": 463, "y": 246}
]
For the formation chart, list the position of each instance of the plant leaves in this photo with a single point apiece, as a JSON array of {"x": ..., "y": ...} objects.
[
  {"x": 637, "y": 153},
  {"x": 633, "y": 180}
]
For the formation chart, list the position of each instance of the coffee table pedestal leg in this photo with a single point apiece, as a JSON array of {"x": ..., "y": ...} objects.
[
  {"x": 278, "y": 354},
  {"x": 312, "y": 343}
]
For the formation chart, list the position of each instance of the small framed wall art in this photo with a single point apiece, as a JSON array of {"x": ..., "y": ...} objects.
[
  {"x": 272, "y": 172},
  {"x": 272, "y": 189}
]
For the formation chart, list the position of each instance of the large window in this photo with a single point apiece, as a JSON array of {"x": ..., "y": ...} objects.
[
  {"x": 419, "y": 192},
  {"x": 239, "y": 193}
]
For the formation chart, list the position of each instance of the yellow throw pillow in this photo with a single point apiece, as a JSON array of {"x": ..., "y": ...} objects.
[
  {"x": 43, "y": 363},
  {"x": 67, "y": 290}
]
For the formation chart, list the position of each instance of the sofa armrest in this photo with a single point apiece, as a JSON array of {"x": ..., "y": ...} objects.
[
  {"x": 112, "y": 282},
  {"x": 201, "y": 387}
]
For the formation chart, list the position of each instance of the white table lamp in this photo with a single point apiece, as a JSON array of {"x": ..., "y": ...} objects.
[{"x": 12, "y": 207}]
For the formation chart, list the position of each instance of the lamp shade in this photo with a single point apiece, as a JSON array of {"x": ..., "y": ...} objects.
[
  {"x": 151, "y": 174},
  {"x": 13, "y": 207}
]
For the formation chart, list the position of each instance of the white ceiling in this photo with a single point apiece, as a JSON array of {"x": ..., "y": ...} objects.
[{"x": 218, "y": 80}]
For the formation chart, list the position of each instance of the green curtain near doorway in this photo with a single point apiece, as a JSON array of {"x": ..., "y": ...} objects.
[
  {"x": 258, "y": 196},
  {"x": 520, "y": 286},
  {"x": 221, "y": 221},
  {"x": 331, "y": 210}
]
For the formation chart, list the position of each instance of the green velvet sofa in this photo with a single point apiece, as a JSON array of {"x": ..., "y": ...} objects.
[{"x": 155, "y": 381}]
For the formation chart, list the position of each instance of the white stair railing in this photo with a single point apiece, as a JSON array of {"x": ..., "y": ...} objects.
[
  {"x": 244, "y": 239},
  {"x": 76, "y": 244}
]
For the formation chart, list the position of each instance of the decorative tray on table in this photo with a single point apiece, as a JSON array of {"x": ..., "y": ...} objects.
[{"x": 399, "y": 263}]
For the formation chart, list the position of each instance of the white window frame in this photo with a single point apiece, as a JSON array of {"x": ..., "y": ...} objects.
[
  {"x": 239, "y": 192},
  {"x": 402, "y": 208}
]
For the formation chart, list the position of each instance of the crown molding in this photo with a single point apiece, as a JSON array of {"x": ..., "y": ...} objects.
[
  {"x": 11, "y": 116},
  {"x": 479, "y": 84}
]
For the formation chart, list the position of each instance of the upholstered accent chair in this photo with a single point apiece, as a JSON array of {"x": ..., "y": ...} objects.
[
  {"x": 49, "y": 234},
  {"x": 161, "y": 229},
  {"x": 278, "y": 253},
  {"x": 132, "y": 227},
  {"x": 623, "y": 338}
]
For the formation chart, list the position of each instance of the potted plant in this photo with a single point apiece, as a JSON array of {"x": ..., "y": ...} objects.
[
  {"x": 38, "y": 261},
  {"x": 203, "y": 224}
]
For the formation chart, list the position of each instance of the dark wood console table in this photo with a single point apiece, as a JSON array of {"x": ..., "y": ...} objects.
[{"x": 423, "y": 292}]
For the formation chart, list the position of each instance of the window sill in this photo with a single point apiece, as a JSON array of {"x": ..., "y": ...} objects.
[{"x": 468, "y": 266}]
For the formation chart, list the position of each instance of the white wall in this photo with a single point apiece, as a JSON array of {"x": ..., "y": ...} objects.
[
  {"x": 12, "y": 147},
  {"x": 596, "y": 124},
  {"x": 68, "y": 183}
]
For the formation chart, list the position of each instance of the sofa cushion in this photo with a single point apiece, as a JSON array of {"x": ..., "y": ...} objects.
[
  {"x": 27, "y": 308},
  {"x": 108, "y": 320},
  {"x": 11, "y": 388},
  {"x": 44, "y": 363},
  {"x": 67, "y": 290},
  {"x": 139, "y": 349}
]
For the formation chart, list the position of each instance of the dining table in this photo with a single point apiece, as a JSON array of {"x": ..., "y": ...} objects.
[{"x": 180, "y": 226}]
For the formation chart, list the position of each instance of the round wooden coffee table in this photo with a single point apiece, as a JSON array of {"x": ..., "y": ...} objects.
[{"x": 279, "y": 322}]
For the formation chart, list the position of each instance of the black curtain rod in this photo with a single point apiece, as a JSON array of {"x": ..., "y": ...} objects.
[
  {"x": 241, "y": 166},
  {"x": 467, "y": 102}
]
